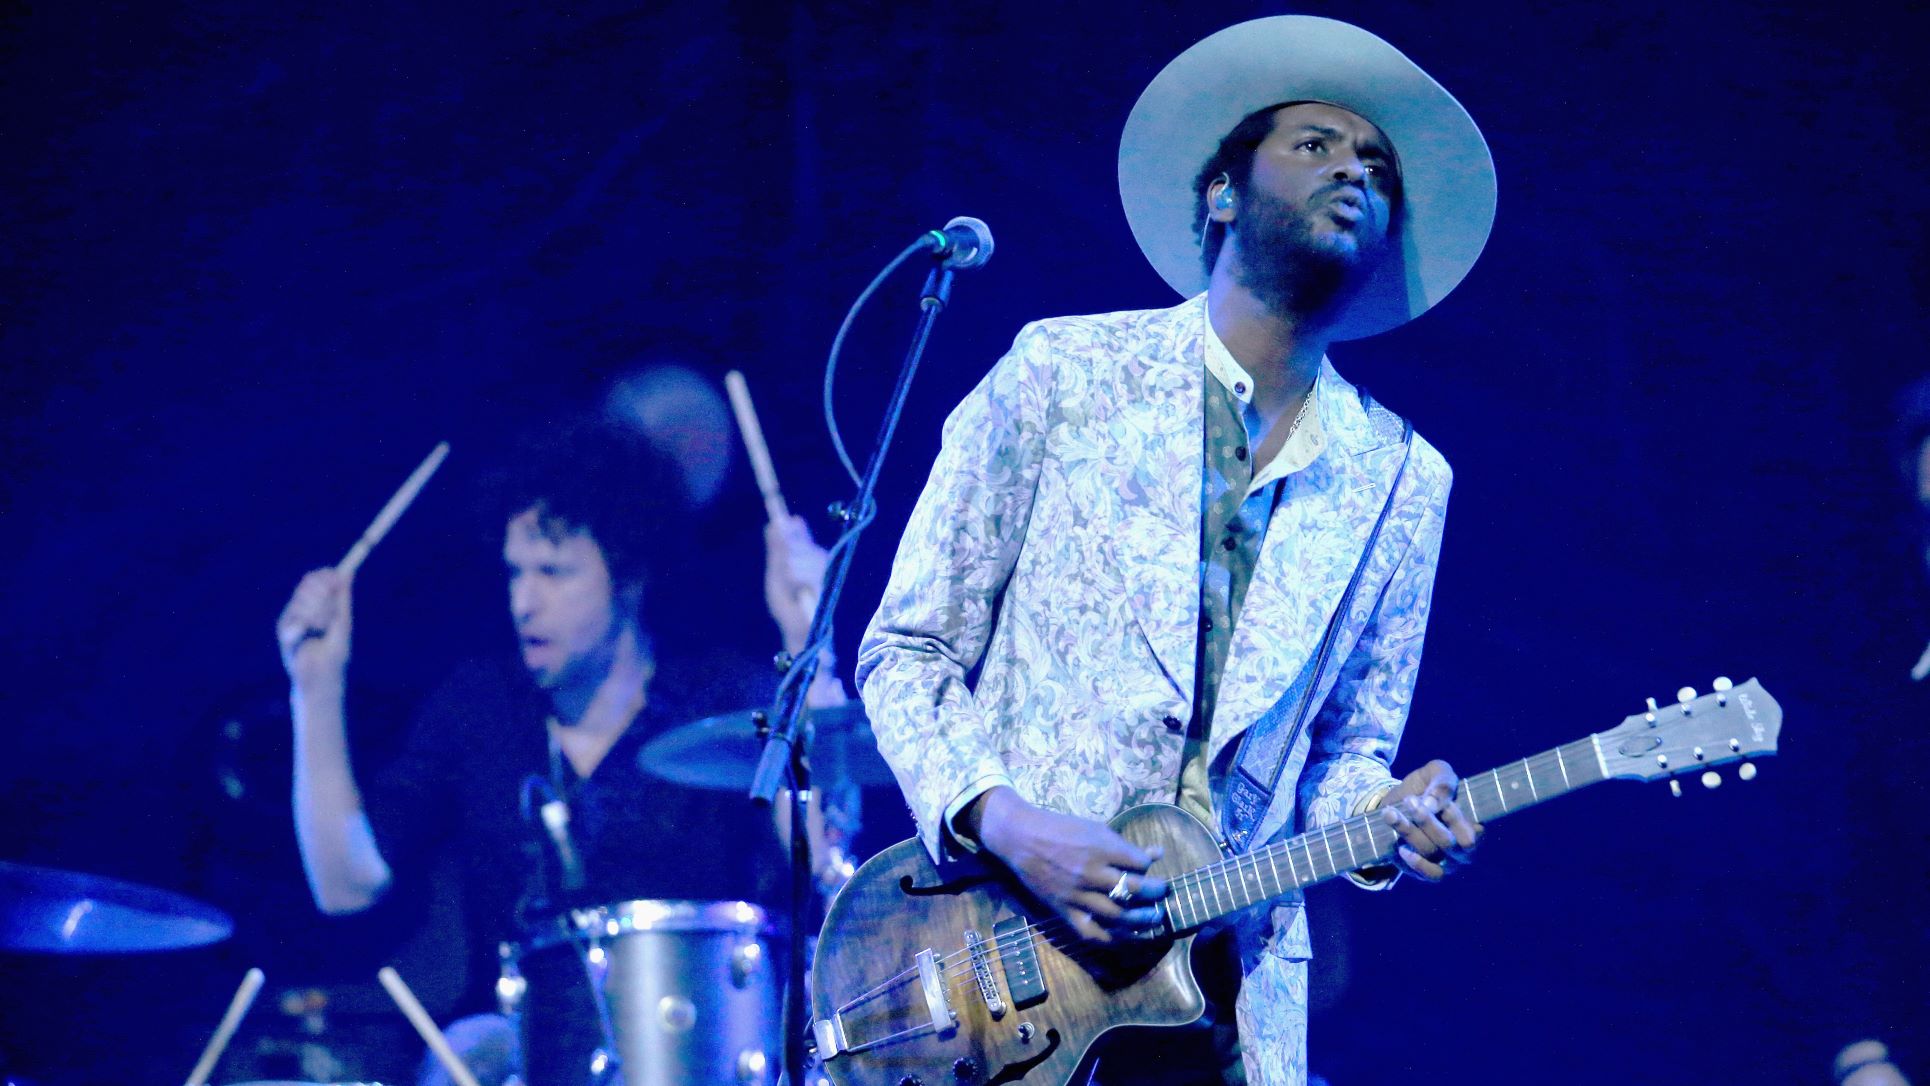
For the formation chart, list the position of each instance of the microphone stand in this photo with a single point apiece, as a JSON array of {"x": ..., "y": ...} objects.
[{"x": 785, "y": 749}]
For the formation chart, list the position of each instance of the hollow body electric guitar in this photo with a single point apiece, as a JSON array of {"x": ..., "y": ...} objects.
[{"x": 956, "y": 976}]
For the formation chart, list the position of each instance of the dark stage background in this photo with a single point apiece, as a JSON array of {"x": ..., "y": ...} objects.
[{"x": 259, "y": 258}]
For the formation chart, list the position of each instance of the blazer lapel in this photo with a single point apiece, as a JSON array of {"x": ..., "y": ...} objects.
[
  {"x": 1313, "y": 543},
  {"x": 1159, "y": 517}
]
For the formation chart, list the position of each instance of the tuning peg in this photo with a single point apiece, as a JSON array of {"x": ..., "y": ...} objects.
[
  {"x": 1650, "y": 715},
  {"x": 1712, "y": 779},
  {"x": 1721, "y": 686},
  {"x": 1747, "y": 772},
  {"x": 1675, "y": 788},
  {"x": 1683, "y": 697}
]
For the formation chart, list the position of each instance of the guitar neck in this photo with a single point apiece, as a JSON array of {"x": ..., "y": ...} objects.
[{"x": 1216, "y": 890}]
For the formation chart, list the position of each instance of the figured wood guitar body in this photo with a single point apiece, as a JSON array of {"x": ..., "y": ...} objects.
[
  {"x": 955, "y": 977},
  {"x": 900, "y": 905}
]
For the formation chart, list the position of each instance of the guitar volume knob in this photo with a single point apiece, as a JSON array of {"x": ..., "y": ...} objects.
[
  {"x": 911, "y": 1080},
  {"x": 965, "y": 1069}
]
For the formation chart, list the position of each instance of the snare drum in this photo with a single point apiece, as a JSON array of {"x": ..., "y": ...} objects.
[{"x": 688, "y": 995}]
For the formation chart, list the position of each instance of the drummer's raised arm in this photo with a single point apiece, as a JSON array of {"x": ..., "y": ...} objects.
[{"x": 346, "y": 872}]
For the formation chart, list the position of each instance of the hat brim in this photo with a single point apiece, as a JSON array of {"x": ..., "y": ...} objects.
[{"x": 1447, "y": 174}]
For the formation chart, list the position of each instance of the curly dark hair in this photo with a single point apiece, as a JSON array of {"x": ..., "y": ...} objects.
[{"x": 585, "y": 474}]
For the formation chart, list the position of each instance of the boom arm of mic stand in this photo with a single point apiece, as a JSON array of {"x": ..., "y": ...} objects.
[
  {"x": 781, "y": 750},
  {"x": 784, "y": 751}
]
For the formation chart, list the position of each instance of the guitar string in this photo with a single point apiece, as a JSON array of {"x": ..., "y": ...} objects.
[
  {"x": 958, "y": 964},
  {"x": 961, "y": 976},
  {"x": 960, "y": 972}
]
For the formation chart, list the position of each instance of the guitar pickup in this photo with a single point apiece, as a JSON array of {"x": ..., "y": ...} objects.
[{"x": 1019, "y": 958}]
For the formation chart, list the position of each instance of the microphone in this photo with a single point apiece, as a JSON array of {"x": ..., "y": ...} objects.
[
  {"x": 964, "y": 242},
  {"x": 556, "y": 819},
  {"x": 554, "y": 814}
]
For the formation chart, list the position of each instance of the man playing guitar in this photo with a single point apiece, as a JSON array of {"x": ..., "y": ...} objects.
[{"x": 1152, "y": 530}]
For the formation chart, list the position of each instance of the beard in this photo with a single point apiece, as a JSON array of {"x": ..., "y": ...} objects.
[{"x": 1289, "y": 267}]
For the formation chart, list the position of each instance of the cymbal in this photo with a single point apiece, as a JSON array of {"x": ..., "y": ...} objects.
[
  {"x": 721, "y": 752},
  {"x": 49, "y": 911}
]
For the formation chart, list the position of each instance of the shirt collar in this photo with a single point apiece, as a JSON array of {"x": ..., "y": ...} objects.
[
  {"x": 1307, "y": 443},
  {"x": 1223, "y": 366}
]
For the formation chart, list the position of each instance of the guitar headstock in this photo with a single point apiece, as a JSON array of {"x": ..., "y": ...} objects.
[{"x": 1728, "y": 724}]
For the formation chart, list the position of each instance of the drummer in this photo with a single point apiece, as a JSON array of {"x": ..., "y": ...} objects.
[{"x": 589, "y": 515}]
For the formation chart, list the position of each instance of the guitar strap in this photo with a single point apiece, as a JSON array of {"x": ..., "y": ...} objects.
[{"x": 1266, "y": 746}]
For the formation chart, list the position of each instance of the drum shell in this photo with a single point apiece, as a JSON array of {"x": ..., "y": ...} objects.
[{"x": 691, "y": 993}]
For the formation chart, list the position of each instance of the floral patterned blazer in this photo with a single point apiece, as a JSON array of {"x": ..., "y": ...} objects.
[{"x": 1056, "y": 547}]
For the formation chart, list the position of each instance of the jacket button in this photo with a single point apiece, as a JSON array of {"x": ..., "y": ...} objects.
[{"x": 1172, "y": 723}]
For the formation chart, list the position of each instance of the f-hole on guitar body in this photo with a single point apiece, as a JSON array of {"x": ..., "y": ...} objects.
[
  {"x": 958, "y": 980},
  {"x": 953, "y": 976}
]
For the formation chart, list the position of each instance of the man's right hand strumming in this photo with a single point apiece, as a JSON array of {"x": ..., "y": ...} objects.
[
  {"x": 313, "y": 630},
  {"x": 1074, "y": 864}
]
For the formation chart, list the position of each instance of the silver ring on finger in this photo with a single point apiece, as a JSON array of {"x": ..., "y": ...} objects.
[{"x": 1119, "y": 893}]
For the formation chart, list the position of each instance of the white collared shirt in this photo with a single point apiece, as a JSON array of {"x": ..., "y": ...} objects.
[{"x": 1302, "y": 447}]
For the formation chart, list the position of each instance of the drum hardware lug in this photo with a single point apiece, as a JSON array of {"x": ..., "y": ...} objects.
[
  {"x": 745, "y": 962},
  {"x": 678, "y": 1015},
  {"x": 752, "y": 1065},
  {"x": 510, "y": 983},
  {"x": 943, "y": 1018},
  {"x": 829, "y": 1035}
]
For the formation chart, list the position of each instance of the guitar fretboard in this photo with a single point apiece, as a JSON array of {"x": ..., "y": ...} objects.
[{"x": 1211, "y": 892}]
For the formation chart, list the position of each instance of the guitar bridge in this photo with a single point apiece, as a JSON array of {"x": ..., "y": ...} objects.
[
  {"x": 942, "y": 1015},
  {"x": 911, "y": 1004},
  {"x": 988, "y": 988}
]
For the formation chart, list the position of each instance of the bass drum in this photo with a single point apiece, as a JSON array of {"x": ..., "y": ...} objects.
[{"x": 646, "y": 993}]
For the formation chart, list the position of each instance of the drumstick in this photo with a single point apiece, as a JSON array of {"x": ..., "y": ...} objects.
[
  {"x": 230, "y": 1022},
  {"x": 392, "y": 512},
  {"x": 760, "y": 454},
  {"x": 425, "y": 1026}
]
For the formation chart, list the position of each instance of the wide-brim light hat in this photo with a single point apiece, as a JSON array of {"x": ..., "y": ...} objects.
[{"x": 1447, "y": 174}]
